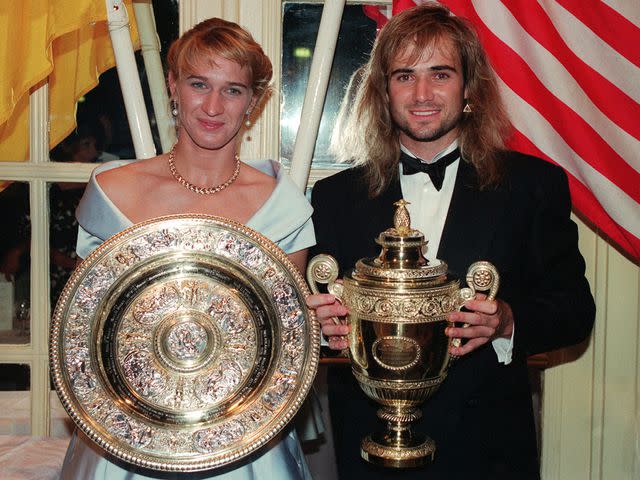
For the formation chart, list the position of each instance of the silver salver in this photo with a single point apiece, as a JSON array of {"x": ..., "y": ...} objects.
[{"x": 184, "y": 343}]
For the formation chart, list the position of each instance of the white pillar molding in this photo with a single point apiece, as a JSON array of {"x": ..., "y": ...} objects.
[
  {"x": 316, "y": 91},
  {"x": 199, "y": 10},
  {"x": 150, "y": 46},
  {"x": 231, "y": 10},
  {"x": 591, "y": 404},
  {"x": 118, "y": 22},
  {"x": 187, "y": 12},
  {"x": 39, "y": 124},
  {"x": 195, "y": 11},
  {"x": 265, "y": 134},
  {"x": 39, "y": 254}
]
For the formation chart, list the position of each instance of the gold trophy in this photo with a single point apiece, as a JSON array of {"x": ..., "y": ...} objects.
[{"x": 398, "y": 304}]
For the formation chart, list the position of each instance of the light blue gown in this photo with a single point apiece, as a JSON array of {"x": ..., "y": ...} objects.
[{"x": 285, "y": 218}]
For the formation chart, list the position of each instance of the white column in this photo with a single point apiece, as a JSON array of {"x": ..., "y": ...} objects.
[
  {"x": 39, "y": 308},
  {"x": 118, "y": 21},
  {"x": 316, "y": 91},
  {"x": 150, "y": 44}
]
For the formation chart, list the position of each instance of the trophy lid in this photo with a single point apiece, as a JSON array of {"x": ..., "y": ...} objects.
[{"x": 401, "y": 258}]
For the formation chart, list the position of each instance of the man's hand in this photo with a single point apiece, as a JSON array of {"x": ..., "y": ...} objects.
[
  {"x": 487, "y": 320},
  {"x": 328, "y": 308}
]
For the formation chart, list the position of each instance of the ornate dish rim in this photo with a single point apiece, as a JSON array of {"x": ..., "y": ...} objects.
[{"x": 277, "y": 423}]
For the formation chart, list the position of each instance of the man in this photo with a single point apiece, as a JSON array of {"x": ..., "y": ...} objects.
[{"x": 429, "y": 93}]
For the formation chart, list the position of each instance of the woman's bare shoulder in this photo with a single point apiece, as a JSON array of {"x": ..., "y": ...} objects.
[
  {"x": 258, "y": 179},
  {"x": 126, "y": 183}
]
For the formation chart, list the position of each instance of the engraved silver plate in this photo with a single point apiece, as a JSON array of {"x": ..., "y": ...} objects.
[{"x": 184, "y": 343}]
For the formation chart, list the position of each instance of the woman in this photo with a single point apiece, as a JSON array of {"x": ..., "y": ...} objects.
[{"x": 217, "y": 76}]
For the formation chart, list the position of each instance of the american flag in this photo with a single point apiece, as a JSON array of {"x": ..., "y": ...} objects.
[{"x": 569, "y": 72}]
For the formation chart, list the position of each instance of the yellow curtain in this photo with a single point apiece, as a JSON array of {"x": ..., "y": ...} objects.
[{"x": 64, "y": 41}]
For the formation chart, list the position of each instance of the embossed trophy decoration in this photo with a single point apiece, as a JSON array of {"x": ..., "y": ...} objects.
[
  {"x": 398, "y": 304},
  {"x": 184, "y": 343}
]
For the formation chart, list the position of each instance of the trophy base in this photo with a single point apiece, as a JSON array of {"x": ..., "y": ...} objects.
[{"x": 377, "y": 449}]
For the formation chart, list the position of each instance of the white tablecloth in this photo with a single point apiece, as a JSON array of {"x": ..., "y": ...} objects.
[
  {"x": 31, "y": 458},
  {"x": 15, "y": 415}
]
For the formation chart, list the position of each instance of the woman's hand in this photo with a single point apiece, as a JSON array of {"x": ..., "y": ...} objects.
[{"x": 328, "y": 309}]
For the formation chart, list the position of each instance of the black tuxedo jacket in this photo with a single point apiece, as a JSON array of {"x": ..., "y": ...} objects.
[{"x": 481, "y": 417}]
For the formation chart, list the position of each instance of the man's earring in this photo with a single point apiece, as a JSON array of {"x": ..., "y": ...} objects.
[
  {"x": 174, "y": 108},
  {"x": 467, "y": 108}
]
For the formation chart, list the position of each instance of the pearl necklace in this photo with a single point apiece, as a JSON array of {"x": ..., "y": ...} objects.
[{"x": 201, "y": 190}]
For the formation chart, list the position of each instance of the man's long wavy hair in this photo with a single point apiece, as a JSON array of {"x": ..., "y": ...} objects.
[{"x": 369, "y": 137}]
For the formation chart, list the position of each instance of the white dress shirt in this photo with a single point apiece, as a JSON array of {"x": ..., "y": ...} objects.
[{"x": 428, "y": 209}]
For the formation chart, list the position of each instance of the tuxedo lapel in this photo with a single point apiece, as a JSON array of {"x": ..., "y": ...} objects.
[
  {"x": 385, "y": 208},
  {"x": 377, "y": 214},
  {"x": 364, "y": 219},
  {"x": 471, "y": 221}
]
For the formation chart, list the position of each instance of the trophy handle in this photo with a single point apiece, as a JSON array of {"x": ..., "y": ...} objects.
[
  {"x": 481, "y": 277},
  {"x": 323, "y": 269}
]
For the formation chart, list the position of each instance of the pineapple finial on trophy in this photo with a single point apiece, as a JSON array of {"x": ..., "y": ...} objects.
[
  {"x": 401, "y": 218},
  {"x": 401, "y": 245}
]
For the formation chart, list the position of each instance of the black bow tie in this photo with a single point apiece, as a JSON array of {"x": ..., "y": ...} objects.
[{"x": 435, "y": 170}]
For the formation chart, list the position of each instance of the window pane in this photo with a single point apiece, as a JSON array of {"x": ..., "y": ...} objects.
[
  {"x": 167, "y": 25},
  {"x": 300, "y": 26},
  {"x": 63, "y": 232},
  {"x": 103, "y": 131},
  {"x": 15, "y": 399},
  {"x": 15, "y": 248}
]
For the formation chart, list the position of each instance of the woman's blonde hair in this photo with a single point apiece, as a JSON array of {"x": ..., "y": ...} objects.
[
  {"x": 217, "y": 37},
  {"x": 369, "y": 136}
]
